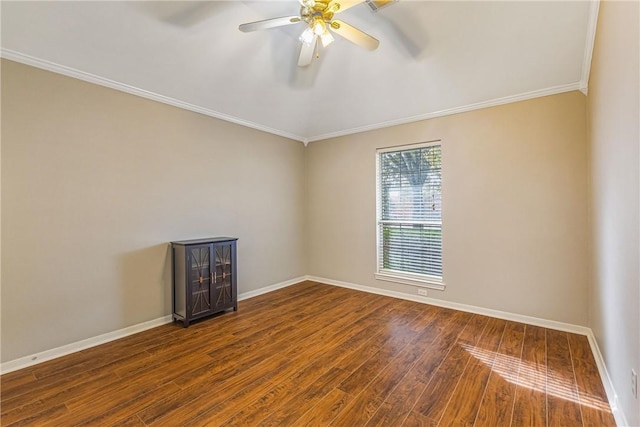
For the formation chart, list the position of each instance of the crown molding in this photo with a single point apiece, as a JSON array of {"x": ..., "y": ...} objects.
[
  {"x": 589, "y": 44},
  {"x": 463, "y": 109},
  {"x": 92, "y": 78},
  {"x": 112, "y": 84}
]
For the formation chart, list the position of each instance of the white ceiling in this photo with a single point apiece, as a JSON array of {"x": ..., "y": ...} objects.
[{"x": 434, "y": 58}]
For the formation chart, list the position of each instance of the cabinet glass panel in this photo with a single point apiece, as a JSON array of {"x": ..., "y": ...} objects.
[
  {"x": 200, "y": 278},
  {"x": 223, "y": 274}
]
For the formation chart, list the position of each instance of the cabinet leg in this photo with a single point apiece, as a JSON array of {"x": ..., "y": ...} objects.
[{"x": 235, "y": 308}]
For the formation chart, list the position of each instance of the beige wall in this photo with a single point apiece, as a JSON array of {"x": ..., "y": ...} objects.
[
  {"x": 614, "y": 111},
  {"x": 514, "y": 206},
  {"x": 95, "y": 183}
]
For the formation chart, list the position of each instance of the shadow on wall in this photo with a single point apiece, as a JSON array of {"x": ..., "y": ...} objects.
[{"x": 145, "y": 284}]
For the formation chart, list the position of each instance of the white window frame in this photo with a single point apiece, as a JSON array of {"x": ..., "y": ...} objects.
[{"x": 406, "y": 278}]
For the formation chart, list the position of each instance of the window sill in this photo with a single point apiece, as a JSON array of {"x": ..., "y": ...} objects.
[{"x": 411, "y": 280}]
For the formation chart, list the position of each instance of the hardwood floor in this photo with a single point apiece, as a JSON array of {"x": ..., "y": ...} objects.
[{"x": 314, "y": 355}]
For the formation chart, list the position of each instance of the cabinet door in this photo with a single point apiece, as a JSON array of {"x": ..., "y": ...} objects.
[
  {"x": 200, "y": 275},
  {"x": 224, "y": 274}
]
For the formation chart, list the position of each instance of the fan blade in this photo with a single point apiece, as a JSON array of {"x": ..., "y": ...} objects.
[
  {"x": 376, "y": 5},
  {"x": 344, "y": 4},
  {"x": 354, "y": 35},
  {"x": 269, "y": 23},
  {"x": 306, "y": 52}
]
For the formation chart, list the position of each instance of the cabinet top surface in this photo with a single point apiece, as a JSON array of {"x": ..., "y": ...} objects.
[{"x": 203, "y": 241}]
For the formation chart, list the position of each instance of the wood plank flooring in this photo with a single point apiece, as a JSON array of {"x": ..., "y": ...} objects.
[{"x": 316, "y": 355}]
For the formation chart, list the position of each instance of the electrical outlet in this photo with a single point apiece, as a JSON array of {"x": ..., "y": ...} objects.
[
  {"x": 634, "y": 383},
  {"x": 422, "y": 292}
]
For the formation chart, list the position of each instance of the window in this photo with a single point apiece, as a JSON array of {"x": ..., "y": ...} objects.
[{"x": 409, "y": 218}]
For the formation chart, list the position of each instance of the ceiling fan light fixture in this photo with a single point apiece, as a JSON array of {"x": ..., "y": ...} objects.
[
  {"x": 326, "y": 38},
  {"x": 333, "y": 7},
  {"x": 307, "y": 36},
  {"x": 319, "y": 27},
  {"x": 318, "y": 17}
]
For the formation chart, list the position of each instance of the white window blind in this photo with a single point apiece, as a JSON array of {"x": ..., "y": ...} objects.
[{"x": 410, "y": 212}]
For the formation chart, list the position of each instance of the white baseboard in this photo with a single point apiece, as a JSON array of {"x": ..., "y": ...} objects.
[
  {"x": 621, "y": 420},
  {"x": 551, "y": 324},
  {"x": 34, "y": 359},
  {"x": 54, "y": 353},
  {"x": 271, "y": 288}
]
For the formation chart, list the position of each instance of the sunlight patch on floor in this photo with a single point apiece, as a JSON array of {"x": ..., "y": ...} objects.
[{"x": 525, "y": 374}]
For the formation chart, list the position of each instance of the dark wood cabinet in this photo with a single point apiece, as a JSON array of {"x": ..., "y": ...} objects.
[{"x": 204, "y": 277}]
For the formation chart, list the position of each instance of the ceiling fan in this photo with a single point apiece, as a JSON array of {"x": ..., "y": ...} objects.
[{"x": 318, "y": 15}]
